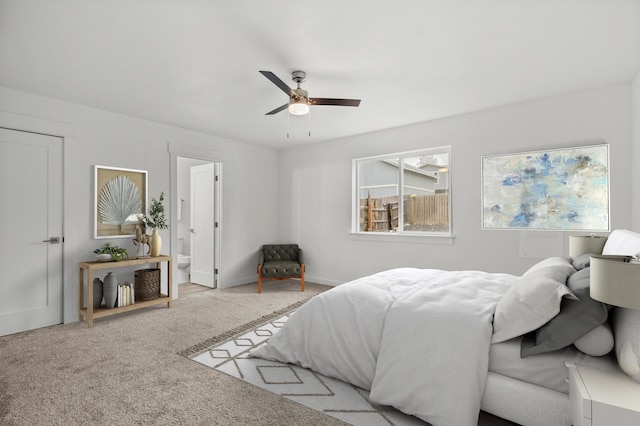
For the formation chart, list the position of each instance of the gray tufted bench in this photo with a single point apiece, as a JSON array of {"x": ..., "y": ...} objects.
[{"x": 280, "y": 262}]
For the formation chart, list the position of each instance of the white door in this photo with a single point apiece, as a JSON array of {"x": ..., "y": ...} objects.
[
  {"x": 31, "y": 221},
  {"x": 202, "y": 225}
]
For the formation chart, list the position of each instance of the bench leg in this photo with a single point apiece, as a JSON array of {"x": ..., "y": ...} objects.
[
  {"x": 259, "y": 278},
  {"x": 302, "y": 279}
]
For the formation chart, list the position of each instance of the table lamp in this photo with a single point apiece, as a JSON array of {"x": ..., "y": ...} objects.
[{"x": 615, "y": 280}]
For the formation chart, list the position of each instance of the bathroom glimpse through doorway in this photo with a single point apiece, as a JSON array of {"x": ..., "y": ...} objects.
[{"x": 197, "y": 221}]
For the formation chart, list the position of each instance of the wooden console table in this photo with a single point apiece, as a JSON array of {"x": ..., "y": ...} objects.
[{"x": 89, "y": 313}]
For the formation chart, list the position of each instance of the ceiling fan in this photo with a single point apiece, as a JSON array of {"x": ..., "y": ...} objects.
[{"x": 299, "y": 100}]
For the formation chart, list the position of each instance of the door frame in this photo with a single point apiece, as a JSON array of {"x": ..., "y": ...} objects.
[
  {"x": 70, "y": 188},
  {"x": 180, "y": 150}
]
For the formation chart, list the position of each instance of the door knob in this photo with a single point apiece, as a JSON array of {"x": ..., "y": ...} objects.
[{"x": 52, "y": 240}]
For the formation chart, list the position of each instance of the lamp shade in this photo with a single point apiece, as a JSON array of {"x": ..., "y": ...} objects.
[
  {"x": 584, "y": 244},
  {"x": 615, "y": 281}
]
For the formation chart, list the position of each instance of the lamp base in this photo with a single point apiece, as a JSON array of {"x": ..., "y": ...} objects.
[
  {"x": 626, "y": 326},
  {"x": 628, "y": 361}
]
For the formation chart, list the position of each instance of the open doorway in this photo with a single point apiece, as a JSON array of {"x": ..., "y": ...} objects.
[{"x": 197, "y": 222}]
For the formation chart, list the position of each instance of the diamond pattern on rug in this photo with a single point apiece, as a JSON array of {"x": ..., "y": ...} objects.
[{"x": 330, "y": 396}]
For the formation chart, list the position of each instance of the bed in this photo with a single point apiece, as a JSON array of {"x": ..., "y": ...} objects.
[{"x": 443, "y": 345}]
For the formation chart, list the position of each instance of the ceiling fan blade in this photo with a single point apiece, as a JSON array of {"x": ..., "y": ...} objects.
[
  {"x": 337, "y": 102},
  {"x": 281, "y": 84},
  {"x": 277, "y": 110}
]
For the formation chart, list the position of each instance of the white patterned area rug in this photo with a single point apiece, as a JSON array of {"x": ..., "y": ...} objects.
[{"x": 333, "y": 397}]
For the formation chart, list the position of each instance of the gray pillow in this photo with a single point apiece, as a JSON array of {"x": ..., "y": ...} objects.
[
  {"x": 576, "y": 318},
  {"x": 533, "y": 299},
  {"x": 582, "y": 262}
]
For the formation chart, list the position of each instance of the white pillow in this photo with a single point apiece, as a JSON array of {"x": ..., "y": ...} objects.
[
  {"x": 597, "y": 342},
  {"x": 622, "y": 242},
  {"x": 533, "y": 299},
  {"x": 560, "y": 262}
]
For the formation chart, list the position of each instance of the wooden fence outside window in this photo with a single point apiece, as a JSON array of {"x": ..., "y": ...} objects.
[{"x": 422, "y": 213}]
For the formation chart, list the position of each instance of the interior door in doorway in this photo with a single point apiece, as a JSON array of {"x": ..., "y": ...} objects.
[
  {"x": 203, "y": 225},
  {"x": 31, "y": 221}
]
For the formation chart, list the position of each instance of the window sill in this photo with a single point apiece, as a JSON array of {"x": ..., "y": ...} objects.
[{"x": 403, "y": 238}]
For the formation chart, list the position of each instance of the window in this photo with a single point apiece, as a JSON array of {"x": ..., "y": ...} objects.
[{"x": 403, "y": 193}]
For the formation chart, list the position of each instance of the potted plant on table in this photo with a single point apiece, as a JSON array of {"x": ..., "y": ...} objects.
[
  {"x": 155, "y": 220},
  {"x": 110, "y": 252}
]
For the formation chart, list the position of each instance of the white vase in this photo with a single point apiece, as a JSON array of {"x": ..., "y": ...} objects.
[{"x": 156, "y": 243}]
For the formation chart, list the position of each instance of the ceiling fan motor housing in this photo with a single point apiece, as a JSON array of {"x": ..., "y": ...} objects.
[{"x": 300, "y": 94}]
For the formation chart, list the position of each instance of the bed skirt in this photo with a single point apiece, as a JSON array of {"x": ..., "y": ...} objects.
[{"x": 524, "y": 403}]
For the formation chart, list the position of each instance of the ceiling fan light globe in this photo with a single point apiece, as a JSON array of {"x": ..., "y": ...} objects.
[{"x": 298, "y": 108}]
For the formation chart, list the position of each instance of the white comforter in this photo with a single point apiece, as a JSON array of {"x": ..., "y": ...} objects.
[{"x": 418, "y": 339}]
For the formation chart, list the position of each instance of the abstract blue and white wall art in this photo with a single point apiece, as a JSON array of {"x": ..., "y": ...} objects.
[{"x": 556, "y": 189}]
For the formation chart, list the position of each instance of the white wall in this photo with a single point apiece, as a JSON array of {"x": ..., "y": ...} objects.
[
  {"x": 313, "y": 182},
  {"x": 99, "y": 137},
  {"x": 635, "y": 117},
  {"x": 316, "y": 184}
]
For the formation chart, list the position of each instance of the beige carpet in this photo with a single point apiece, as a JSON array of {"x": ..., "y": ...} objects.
[{"x": 126, "y": 369}]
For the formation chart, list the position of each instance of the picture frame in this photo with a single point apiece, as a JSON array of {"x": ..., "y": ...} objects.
[
  {"x": 562, "y": 189},
  {"x": 120, "y": 195}
]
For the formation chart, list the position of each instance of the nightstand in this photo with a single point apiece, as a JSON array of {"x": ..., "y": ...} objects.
[{"x": 603, "y": 398}]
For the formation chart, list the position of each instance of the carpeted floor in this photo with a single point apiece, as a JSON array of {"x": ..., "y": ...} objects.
[{"x": 126, "y": 369}]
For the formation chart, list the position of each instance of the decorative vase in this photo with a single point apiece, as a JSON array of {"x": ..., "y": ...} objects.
[
  {"x": 97, "y": 293},
  {"x": 156, "y": 243},
  {"x": 110, "y": 290}
]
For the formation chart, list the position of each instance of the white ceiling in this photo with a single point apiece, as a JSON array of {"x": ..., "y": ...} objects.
[{"x": 194, "y": 64}]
